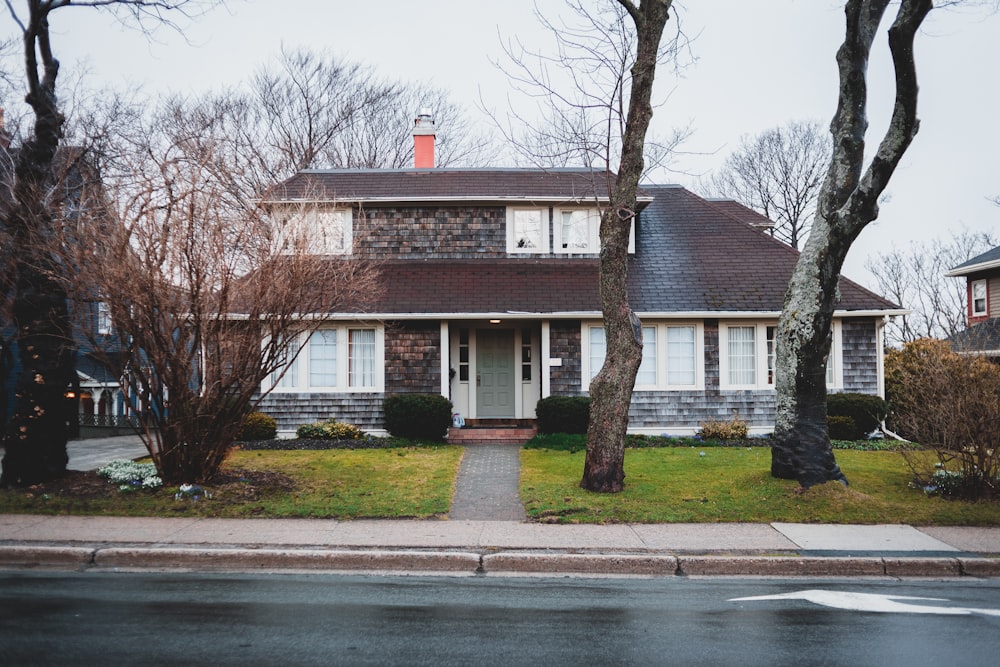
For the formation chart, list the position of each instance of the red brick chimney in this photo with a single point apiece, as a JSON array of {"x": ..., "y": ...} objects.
[{"x": 423, "y": 140}]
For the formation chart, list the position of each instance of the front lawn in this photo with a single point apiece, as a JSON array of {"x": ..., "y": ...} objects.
[
  {"x": 342, "y": 483},
  {"x": 734, "y": 484}
]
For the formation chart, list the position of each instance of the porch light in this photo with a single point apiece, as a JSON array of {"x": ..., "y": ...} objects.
[{"x": 494, "y": 321}]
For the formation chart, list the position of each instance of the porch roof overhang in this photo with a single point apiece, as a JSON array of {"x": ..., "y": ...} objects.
[{"x": 596, "y": 314}]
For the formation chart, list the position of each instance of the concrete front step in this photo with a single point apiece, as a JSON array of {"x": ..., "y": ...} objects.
[{"x": 490, "y": 435}]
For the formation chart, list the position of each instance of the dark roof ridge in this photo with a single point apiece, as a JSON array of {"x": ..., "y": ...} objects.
[{"x": 415, "y": 170}]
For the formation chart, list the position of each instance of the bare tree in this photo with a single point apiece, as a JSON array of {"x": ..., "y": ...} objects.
[
  {"x": 915, "y": 279},
  {"x": 35, "y": 437},
  {"x": 848, "y": 201},
  {"x": 205, "y": 289},
  {"x": 600, "y": 120},
  {"x": 778, "y": 174}
]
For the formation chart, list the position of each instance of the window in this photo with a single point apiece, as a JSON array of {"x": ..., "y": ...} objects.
[
  {"x": 681, "y": 350},
  {"x": 315, "y": 231},
  {"x": 323, "y": 358},
  {"x": 979, "y": 304},
  {"x": 528, "y": 230},
  {"x": 598, "y": 350},
  {"x": 463, "y": 355},
  {"x": 670, "y": 355},
  {"x": 103, "y": 319},
  {"x": 526, "y": 355},
  {"x": 748, "y": 357},
  {"x": 647, "y": 369},
  {"x": 577, "y": 230},
  {"x": 325, "y": 367},
  {"x": 362, "y": 357}
]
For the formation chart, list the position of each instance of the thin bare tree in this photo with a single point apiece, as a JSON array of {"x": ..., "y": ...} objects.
[
  {"x": 205, "y": 289},
  {"x": 848, "y": 201},
  {"x": 915, "y": 279},
  {"x": 607, "y": 57},
  {"x": 35, "y": 437},
  {"x": 778, "y": 174}
]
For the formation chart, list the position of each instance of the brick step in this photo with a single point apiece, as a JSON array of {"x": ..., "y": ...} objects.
[{"x": 490, "y": 435}]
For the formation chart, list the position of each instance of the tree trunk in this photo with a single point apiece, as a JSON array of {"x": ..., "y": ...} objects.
[
  {"x": 848, "y": 201},
  {"x": 611, "y": 389},
  {"x": 35, "y": 436}
]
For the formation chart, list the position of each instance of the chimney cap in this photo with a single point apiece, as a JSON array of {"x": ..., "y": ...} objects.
[{"x": 423, "y": 124}]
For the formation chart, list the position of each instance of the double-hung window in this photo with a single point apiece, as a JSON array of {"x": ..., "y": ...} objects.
[
  {"x": 314, "y": 231},
  {"x": 576, "y": 230},
  {"x": 747, "y": 358},
  {"x": 528, "y": 230},
  {"x": 979, "y": 303},
  {"x": 671, "y": 355},
  {"x": 334, "y": 358}
]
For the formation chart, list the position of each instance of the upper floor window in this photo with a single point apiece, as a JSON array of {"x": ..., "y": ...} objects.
[
  {"x": 103, "y": 319},
  {"x": 528, "y": 230},
  {"x": 316, "y": 231},
  {"x": 979, "y": 303},
  {"x": 577, "y": 230},
  {"x": 671, "y": 354}
]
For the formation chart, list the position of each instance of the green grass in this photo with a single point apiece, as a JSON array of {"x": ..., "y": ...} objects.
[
  {"x": 341, "y": 483},
  {"x": 733, "y": 484}
]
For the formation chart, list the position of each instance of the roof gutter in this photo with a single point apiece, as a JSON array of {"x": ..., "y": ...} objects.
[{"x": 975, "y": 268}]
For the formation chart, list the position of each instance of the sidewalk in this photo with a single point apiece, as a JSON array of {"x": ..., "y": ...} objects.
[
  {"x": 485, "y": 536},
  {"x": 496, "y": 547}
]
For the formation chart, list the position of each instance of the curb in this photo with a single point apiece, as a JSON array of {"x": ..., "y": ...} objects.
[{"x": 221, "y": 559}]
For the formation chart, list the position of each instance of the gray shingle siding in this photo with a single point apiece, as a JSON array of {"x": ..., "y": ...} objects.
[
  {"x": 860, "y": 355},
  {"x": 564, "y": 343},
  {"x": 292, "y": 410},
  {"x": 432, "y": 232},
  {"x": 413, "y": 358}
]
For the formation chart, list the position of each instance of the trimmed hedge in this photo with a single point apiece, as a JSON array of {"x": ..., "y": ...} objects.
[
  {"x": 866, "y": 410},
  {"x": 563, "y": 414},
  {"x": 418, "y": 416},
  {"x": 258, "y": 426}
]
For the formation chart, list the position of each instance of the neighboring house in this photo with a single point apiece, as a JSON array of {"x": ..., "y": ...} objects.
[
  {"x": 982, "y": 277},
  {"x": 97, "y": 393},
  {"x": 490, "y": 298}
]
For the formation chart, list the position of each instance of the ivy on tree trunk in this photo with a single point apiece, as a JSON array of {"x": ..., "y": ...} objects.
[{"x": 848, "y": 201}]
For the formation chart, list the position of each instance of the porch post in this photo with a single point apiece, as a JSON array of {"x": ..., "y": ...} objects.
[
  {"x": 544, "y": 365},
  {"x": 445, "y": 360}
]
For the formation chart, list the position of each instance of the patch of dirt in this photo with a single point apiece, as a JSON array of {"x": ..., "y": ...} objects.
[{"x": 236, "y": 486}]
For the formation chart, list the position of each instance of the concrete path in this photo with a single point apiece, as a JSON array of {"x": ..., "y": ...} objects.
[
  {"x": 487, "y": 485},
  {"x": 93, "y": 453}
]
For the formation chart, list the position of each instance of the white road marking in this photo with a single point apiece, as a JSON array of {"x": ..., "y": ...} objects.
[{"x": 872, "y": 602}]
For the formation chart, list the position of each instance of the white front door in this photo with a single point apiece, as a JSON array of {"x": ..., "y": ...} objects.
[{"x": 494, "y": 373}]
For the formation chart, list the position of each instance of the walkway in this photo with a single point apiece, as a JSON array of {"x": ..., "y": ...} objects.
[{"x": 487, "y": 484}]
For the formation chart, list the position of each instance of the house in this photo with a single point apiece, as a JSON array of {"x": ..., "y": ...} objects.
[
  {"x": 982, "y": 277},
  {"x": 491, "y": 298}
]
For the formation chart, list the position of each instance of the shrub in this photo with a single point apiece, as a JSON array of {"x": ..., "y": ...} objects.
[
  {"x": 866, "y": 410},
  {"x": 418, "y": 416},
  {"x": 329, "y": 430},
  {"x": 949, "y": 403},
  {"x": 842, "y": 427},
  {"x": 734, "y": 429},
  {"x": 258, "y": 426},
  {"x": 563, "y": 414}
]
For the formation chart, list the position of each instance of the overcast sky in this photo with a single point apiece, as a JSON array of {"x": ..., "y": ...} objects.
[{"x": 758, "y": 65}]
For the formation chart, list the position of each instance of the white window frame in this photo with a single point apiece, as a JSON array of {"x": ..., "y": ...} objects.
[
  {"x": 834, "y": 376},
  {"x": 299, "y": 380},
  {"x": 985, "y": 298},
  {"x": 104, "y": 325},
  {"x": 592, "y": 221},
  {"x": 542, "y": 243},
  {"x": 315, "y": 230},
  {"x": 660, "y": 329}
]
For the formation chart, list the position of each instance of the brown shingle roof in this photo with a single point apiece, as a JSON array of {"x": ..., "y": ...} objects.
[{"x": 445, "y": 184}]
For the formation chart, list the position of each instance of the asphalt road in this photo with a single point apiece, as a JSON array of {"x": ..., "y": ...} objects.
[{"x": 93, "y": 618}]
